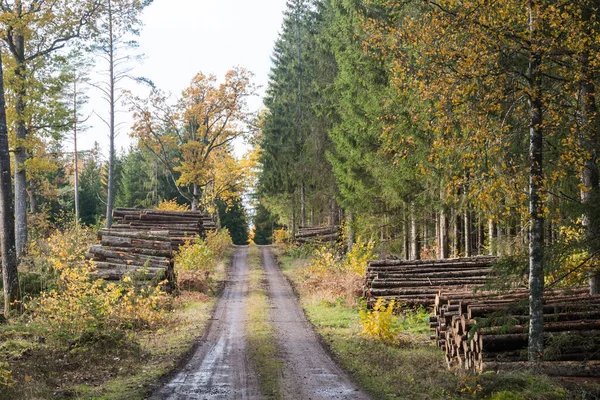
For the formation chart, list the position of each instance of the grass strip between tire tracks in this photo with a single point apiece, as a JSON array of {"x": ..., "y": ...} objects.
[{"x": 260, "y": 334}]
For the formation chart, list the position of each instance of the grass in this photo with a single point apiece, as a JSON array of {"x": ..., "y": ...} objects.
[
  {"x": 413, "y": 368},
  {"x": 124, "y": 366},
  {"x": 260, "y": 334}
]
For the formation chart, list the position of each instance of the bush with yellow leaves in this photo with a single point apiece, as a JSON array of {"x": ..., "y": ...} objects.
[
  {"x": 219, "y": 242},
  {"x": 338, "y": 277},
  {"x": 380, "y": 323},
  {"x": 281, "y": 236},
  {"x": 78, "y": 306},
  {"x": 172, "y": 205}
]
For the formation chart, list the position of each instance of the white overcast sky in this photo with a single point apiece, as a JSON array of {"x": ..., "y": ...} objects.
[{"x": 183, "y": 37}]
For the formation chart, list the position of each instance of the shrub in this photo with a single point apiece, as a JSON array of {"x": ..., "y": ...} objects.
[
  {"x": 194, "y": 262},
  {"x": 218, "y": 242},
  {"x": 380, "y": 323},
  {"x": 281, "y": 236},
  {"x": 171, "y": 205},
  {"x": 79, "y": 306}
]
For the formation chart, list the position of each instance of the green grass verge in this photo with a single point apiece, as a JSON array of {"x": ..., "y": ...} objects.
[
  {"x": 413, "y": 369},
  {"x": 260, "y": 334}
]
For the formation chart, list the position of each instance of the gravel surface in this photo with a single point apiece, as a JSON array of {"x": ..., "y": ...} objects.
[
  {"x": 219, "y": 369},
  {"x": 309, "y": 371}
]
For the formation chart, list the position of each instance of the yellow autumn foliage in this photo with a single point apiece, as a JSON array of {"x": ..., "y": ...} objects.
[
  {"x": 78, "y": 305},
  {"x": 380, "y": 323},
  {"x": 172, "y": 205}
]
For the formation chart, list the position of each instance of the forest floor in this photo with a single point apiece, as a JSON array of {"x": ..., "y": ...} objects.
[{"x": 412, "y": 368}]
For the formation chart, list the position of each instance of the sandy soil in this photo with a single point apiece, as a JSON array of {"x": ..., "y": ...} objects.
[
  {"x": 309, "y": 371},
  {"x": 219, "y": 369}
]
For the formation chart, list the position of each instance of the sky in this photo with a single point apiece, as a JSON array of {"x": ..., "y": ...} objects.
[{"x": 183, "y": 37}]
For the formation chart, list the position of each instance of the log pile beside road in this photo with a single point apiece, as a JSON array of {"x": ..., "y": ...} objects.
[
  {"x": 318, "y": 234},
  {"x": 417, "y": 282},
  {"x": 178, "y": 225},
  {"x": 489, "y": 331},
  {"x": 142, "y": 242},
  {"x": 121, "y": 253}
]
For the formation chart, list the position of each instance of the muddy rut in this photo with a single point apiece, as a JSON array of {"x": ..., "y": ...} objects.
[{"x": 219, "y": 369}]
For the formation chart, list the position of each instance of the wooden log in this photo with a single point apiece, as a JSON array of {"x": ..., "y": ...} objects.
[
  {"x": 99, "y": 251},
  {"x": 447, "y": 261},
  {"x": 479, "y": 272},
  {"x": 116, "y": 241},
  {"x": 141, "y": 251},
  {"x": 430, "y": 283},
  {"x": 134, "y": 235}
]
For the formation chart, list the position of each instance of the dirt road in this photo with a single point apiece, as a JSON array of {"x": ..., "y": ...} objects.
[
  {"x": 219, "y": 369},
  {"x": 309, "y": 371}
]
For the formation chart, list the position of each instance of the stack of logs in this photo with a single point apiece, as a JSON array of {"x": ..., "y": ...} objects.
[
  {"x": 417, "y": 282},
  {"x": 123, "y": 253},
  {"x": 489, "y": 331},
  {"x": 318, "y": 234},
  {"x": 144, "y": 241},
  {"x": 178, "y": 225}
]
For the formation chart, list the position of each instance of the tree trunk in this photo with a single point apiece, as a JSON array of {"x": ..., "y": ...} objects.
[
  {"x": 302, "y": 205},
  {"x": 589, "y": 140},
  {"x": 75, "y": 154},
  {"x": 536, "y": 217},
  {"x": 32, "y": 198},
  {"x": 468, "y": 232},
  {"x": 20, "y": 150},
  {"x": 491, "y": 241},
  {"x": 444, "y": 248},
  {"x": 406, "y": 235},
  {"x": 414, "y": 235},
  {"x": 111, "y": 158},
  {"x": 195, "y": 196},
  {"x": 10, "y": 275},
  {"x": 350, "y": 229}
]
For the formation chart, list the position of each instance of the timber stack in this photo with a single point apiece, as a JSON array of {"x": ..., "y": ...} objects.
[
  {"x": 318, "y": 234},
  {"x": 178, "y": 225},
  {"x": 489, "y": 331},
  {"x": 417, "y": 282},
  {"x": 121, "y": 253}
]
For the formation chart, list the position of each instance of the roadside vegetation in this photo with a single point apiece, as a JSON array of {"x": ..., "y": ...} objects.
[
  {"x": 390, "y": 355},
  {"x": 81, "y": 337},
  {"x": 260, "y": 334}
]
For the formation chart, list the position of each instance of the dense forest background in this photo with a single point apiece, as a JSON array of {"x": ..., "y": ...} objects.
[{"x": 439, "y": 129}]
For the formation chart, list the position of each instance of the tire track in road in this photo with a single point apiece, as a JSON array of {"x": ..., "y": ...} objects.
[
  {"x": 309, "y": 371},
  {"x": 219, "y": 368}
]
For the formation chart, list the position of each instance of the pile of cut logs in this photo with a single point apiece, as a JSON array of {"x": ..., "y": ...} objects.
[
  {"x": 489, "y": 331},
  {"x": 417, "y": 282},
  {"x": 122, "y": 253},
  {"x": 144, "y": 241},
  {"x": 178, "y": 225},
  {"x": 318, "y": 234}
]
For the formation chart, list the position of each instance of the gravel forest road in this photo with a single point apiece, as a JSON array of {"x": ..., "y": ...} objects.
[
  {"x": 309, "y": 371},
  {"x": 220, "y": 369}
]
